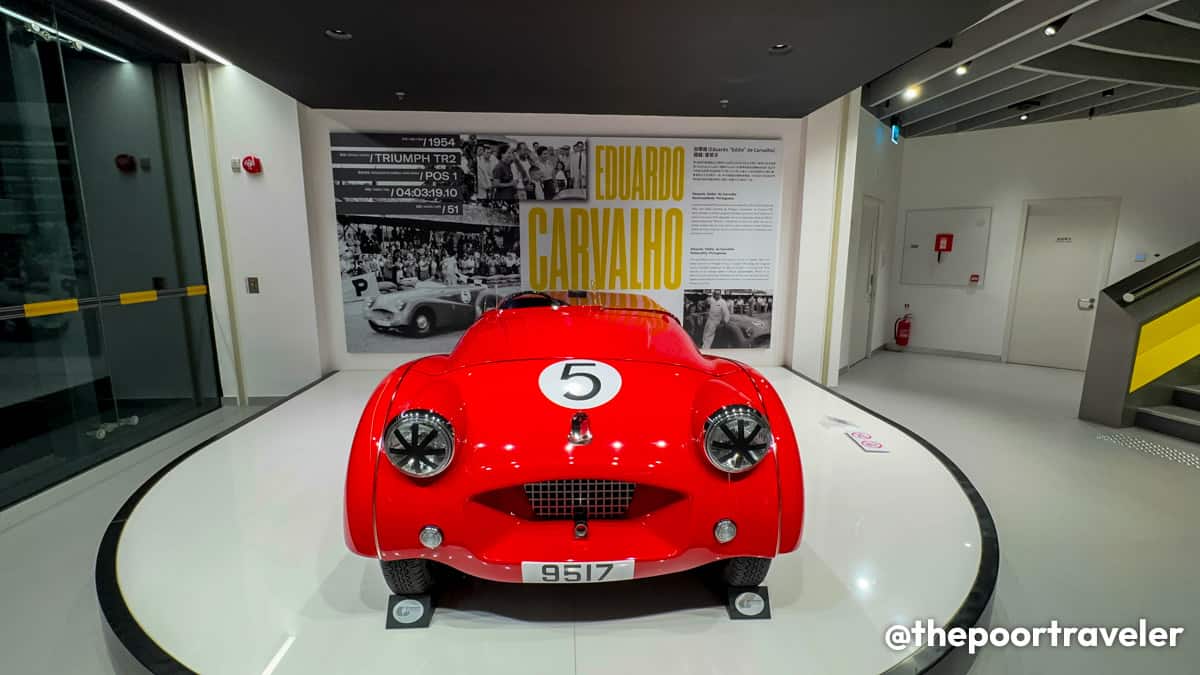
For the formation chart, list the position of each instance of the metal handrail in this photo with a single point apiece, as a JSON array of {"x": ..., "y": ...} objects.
[{"x": 1168, "y": 278}]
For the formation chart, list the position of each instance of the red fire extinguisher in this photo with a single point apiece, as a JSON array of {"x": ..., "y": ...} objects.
[{"x": 903, "y": 328}]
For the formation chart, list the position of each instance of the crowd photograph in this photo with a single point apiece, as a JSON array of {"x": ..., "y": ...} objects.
[
  {"x": 500, "y": 170},
  {"x": 402, "y": 252},
  {"x": 728, "y": 319}
]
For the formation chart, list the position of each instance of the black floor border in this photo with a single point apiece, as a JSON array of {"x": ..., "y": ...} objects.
[
  {"x": 108, "y": 591},
  {"x": 157, "y": 660},
  {"x": 980, "y": 595}
]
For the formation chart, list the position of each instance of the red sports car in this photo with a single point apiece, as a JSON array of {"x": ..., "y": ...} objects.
[{"x": 567, "y": 439}]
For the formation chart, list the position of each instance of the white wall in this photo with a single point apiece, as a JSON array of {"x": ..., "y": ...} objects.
[
  {"x": 877, "y": 171},
  {"x": 1150, "y": 160},
  {"x": 315, "y": 128},
  {"x": 265, "y": 228}
]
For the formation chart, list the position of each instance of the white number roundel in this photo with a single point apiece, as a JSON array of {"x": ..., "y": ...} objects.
[{"x": 579, "y": 384}]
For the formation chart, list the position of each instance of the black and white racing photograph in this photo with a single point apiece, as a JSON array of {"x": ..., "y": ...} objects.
[
  {"x": 414, "y": 285},
  {"x": 735, "y": 318},
  {"x": 523, "y": 168}
]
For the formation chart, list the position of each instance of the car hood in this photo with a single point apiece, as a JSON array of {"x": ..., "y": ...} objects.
[{"x": 503, "y": 422}]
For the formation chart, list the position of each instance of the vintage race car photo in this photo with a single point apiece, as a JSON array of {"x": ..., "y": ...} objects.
[
  {"x": 431, "y": 306},
  {"x": 573, "y": 438}
]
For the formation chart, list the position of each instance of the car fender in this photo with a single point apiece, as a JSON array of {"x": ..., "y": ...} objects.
[
  {"x": 787, "y": 462},
  {"x": 359, "y": 514}
]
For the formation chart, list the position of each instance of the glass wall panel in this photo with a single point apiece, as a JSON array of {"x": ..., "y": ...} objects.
[{"x": 105, "y": 333}]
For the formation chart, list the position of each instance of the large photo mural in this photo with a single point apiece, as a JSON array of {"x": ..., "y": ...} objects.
[{"x": 436, "y": 229}]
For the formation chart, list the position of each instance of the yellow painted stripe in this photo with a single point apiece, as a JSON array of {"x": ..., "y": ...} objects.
[
  {"x": 134, "y": 297},
  {"x": 198, "y": 289},
  {"x": 51, "y": 307},
  {"x": 1166, "y": 343}
]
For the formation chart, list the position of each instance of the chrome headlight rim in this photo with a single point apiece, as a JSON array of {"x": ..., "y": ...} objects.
[
  {"x": 405, "y": 453},
  {"x": 743, "y": 444}
]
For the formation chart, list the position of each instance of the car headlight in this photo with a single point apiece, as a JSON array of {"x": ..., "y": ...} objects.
[
  {"x": 736, "y": 438},
  {"x": 371, "y": 301},
  {"x": 400, "y": 305},
  {"x": 419, "y": 442}
]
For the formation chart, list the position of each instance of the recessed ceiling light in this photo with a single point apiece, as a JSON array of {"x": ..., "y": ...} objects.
[
  {"x": 1024, "y": 118},
  {"x": 961, "y": 70},
  {"x": 1054, "y": 26},
  {"x": 400, "y": 95},
  {"x": 167, "y": 30},
  {"x": 911, "y": 93},
  {"x": 337, "y": 34},
  {"x": 1107, "y": 93},
  {"x": 779, "y": 49},
  {"x": 724, "y": 103}
]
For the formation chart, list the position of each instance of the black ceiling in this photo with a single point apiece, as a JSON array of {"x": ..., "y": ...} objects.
[
  {"x": 1106, "y": 57},
  {"x": 668, "y": 57}
]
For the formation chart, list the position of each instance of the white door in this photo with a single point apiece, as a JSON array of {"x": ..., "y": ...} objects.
[
  {"x": 1064, "y": 263},
  {"x": 863, "y": 301}
]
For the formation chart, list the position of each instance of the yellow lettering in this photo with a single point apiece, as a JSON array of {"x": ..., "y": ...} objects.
[
  {"x": 537, "y": 266},
  {"x": 599, "y": 175},
  {"x": 635, "y": 191},
  {"x": 634, "y": 282},
  {"x": 600, "y": 246},
  {"x": 673, "y": 249},
  {"x": 580, "y": 277},
  {"x": 610, "y": 158},
  {"x": 623, "y": 175},
  {"x": 652, "y": 274},
  {"x": 617, "y": 265},
  {"x": 652, "y": 172},
  {"x": 558, "y": 251}
]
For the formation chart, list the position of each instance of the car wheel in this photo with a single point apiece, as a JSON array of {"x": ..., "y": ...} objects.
[
  {"x": 423, "y": 322},
  {"x": 745, "y": 571},
  {"x": 407, "y": 577}
]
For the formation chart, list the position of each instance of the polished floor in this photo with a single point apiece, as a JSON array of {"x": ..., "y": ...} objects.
[
  {"x": 235, "y": 562},
  {"x": 51, "y": 620},
  {"x": 1091, "y": 532}
]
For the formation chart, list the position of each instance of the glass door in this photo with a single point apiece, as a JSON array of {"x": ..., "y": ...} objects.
[{"x": 105, "y": 331}]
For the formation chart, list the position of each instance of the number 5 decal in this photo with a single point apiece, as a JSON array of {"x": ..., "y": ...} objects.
[{"x": 579, "y": 384}]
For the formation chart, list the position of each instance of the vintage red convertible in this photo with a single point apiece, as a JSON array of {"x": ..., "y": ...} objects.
[{"x": 573, "y": 437}]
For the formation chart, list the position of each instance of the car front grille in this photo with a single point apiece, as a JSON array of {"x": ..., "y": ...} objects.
[
  {"x": 381, "y": 315},
  {"x": 572, "y": 499}
]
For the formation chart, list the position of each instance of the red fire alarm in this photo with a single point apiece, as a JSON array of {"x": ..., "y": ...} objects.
[
  {"x": 252, "y": 164},
  {"x": 943, "y": 243},
  {"x": 974, "y": 278},
  {"x": 126, "y": 163}
]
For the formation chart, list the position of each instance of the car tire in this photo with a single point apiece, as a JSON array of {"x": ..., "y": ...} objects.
[
  {"x": 407, "y": 577},
  {"x": 419, "y": 328},
  {"x": 745, "y": 571}
]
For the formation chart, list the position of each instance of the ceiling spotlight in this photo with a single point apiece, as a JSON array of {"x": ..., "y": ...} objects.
[
  {"x": 910, "y": 93},
  {"x": 1054, "y": 26},
  {"x": 961, "y": 69},
  {"x": 337, "y": 34},
  {"x": 400, "y": 96},
  {"x": 1107, "y": 93},
  {"x": 779, "y": 49},
  {"x": 724, "y": 103},
  {"x": 1024, "y": 118}
]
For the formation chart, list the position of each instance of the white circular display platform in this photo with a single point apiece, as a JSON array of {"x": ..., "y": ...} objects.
[{"x": 232, "y": 560}]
